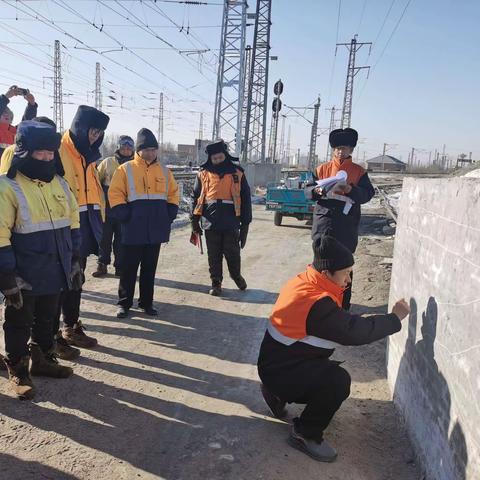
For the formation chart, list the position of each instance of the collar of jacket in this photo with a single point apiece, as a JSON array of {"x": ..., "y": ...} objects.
[
  {"x": 345, "y": 164},
  {"x": 121, "y": 159},
  {"x": 137, "y": 159},
  {"x": 322, "y": 283}
]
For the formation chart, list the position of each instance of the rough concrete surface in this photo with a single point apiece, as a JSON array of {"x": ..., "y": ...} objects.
[
  {"x": 434, "y": 364},
  {"x": 177, "y": 397}
]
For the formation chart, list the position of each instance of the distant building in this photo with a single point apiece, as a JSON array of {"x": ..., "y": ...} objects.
[
  {"x": 200, "y": 154},
  {"x": 385, "y": 163},
  {"x": 187, "y": 152}
]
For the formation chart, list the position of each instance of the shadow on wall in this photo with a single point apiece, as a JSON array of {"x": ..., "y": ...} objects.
[{"x": 421, "y": 385}]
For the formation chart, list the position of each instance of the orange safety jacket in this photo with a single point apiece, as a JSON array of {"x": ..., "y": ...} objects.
[
  {"x": 288, "y": 321},
  {"x": 82, "y": 178},
  {"x": 354, "y": 171},
  {"x": 215, "y": 188}
]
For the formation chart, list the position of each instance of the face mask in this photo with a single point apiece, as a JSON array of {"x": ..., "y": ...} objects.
[{"x": 38, "y": 169}]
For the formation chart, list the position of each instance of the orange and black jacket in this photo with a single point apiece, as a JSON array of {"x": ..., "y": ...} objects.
[
  {"x": 308, "y": 322},
  {"x": 328, "y": 216},
  {"x": 7, "y": 132},
  {"x": 221, "y": 195}
]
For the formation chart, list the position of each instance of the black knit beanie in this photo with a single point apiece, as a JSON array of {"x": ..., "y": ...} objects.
[
  {"x": 146, "y": 139},
  {"x": 331, "y": 255}
]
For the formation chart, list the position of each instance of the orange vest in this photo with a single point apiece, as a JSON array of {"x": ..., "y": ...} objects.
[
  {"x": 83, "y": 179},
  {"x": 227, "y": 189},
  {"x": 354, "y": 171},
  {"x": 7, "y": 135},
  {"x": 288, "y": 321}
]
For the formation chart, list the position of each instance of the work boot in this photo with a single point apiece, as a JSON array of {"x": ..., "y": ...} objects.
[
  {"x": 320, "y": 451},
  {"x": 122, "y": 312},
  {"x": 149, "y": 311},
  {"x": 76, "y": 336},
  {"x": 20, "y": 381},
  {"x": 241, "y": 283},
  {"x": 101, "y": 270},
  {"x": 63, "y": 350},
  {"x": 46, "y": 364},
  {"x": 216, "y": 289},
  {"x": 276, "y": 406}
]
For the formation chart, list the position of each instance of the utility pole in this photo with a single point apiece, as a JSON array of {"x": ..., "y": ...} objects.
[
  {"x": 331, "y": 127},
  {"x": 248, "y": 68},
  {"x": 200, "y": 128},
  {"x": 227, "y": 120},
  {"x": 256, "y": 122},
  {"x": 288, "y": 143},
  {"x": 98, "y": 88},
  {"x": 282, "y": 140},
  {"x": 353, "y": 47},
  {"x": 57, "y": 88},
  {"x": 160, "y": 122},
  {"x": 313, "y": 137}
]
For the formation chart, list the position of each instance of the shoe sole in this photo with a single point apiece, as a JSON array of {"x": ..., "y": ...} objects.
[
  {"x": 299, "y": 445},
  {"x": 75, "y": 344},
  {"x": 69, "y": 358}
]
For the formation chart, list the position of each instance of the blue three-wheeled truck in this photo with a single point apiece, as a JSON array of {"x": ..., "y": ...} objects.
[{"x": 287, "y": 198}]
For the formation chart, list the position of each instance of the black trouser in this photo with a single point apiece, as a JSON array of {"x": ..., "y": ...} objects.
[
  {"x": 347, "y": 295},
  {"x": 69, "y": 305},
  {"x": 35, "y": 320},
  {"x": 324, "y": 398},
  {"x": 111, "y": 230},
  {"x": 220, "y": 244},
  {"x": 145, "y": 256}
]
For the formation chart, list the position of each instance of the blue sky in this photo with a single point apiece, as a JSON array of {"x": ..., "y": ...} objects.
[{"x": 422, "y": 90}]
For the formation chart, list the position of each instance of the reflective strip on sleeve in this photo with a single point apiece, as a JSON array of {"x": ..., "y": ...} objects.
[
  {"x": 211, "y": 202},
  {"x": 309, "y": 339}
]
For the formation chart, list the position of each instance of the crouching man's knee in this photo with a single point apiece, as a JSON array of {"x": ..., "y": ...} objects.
[{"x": 342, "y": 383}]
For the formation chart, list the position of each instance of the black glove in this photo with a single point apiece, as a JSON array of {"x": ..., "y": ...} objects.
[
  {"x": 243, "y": 235},
  {"x": 13, "y": 294},
  {"x": 195, "y": 221},
  {"x": 77, "y": 278}
]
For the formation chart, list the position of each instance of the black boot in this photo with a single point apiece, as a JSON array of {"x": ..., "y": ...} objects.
[
  {"x": 241, "y": 283},
  {"x": 216, "y": 289}
]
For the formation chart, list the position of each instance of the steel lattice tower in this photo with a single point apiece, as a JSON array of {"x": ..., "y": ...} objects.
[
  {"x": 248, "y": 68},
  {"x": 256, "y": 123},
  {"x": 98, "y": 88},
  {"x": 313, "y": 137},
  {"x": 353, "y": 47},
  {"x": 160, "y": 122},
  {"x": 331, "y": 127},
  {"x": 227, "y": 120},
  {"x": 57, "y": 88}
]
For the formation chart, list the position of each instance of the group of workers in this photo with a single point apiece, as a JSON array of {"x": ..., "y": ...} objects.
[{"x": 59, "y": 205}]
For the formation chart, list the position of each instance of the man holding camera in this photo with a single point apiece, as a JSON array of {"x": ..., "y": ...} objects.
[{"x": 7, "y": 130}]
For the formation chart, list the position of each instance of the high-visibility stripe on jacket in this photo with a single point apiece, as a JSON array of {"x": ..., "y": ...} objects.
[
  {"x": 82, "y": 178},
  {"x": 145, "y": 199},
  {"x": 39, "y": 231},
  {"x": 354, "y": 171},
  {"x": 225, "y": 189},
  {"x": 288, "y": 321}
]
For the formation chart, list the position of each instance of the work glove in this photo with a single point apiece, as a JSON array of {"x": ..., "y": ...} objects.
[
  {"x": 77, "y": 277},
  {"x": 195, "y": 222},
  {"x": 13, "y": 295},
  {"x": 243, "y": 235}
]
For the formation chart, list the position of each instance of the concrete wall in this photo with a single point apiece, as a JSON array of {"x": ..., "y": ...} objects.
[
  {"x": 260, "y": 174},
  {"x": 434, "y": 362}
]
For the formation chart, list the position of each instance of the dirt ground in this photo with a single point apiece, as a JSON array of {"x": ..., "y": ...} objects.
[{"x": 178, "y": 398}]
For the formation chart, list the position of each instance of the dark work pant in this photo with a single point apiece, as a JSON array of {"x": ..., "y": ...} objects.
[
  {"x": 69, "y": 305},
  {"x": 347, "y": 295},
  {"x": 34, "y": 320},
  {"x": 327, "y": 393},
  {"x": 145, "y": 256},
  {"x": 111, "y": 230},
  {"x": 223, "y": 244}
]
